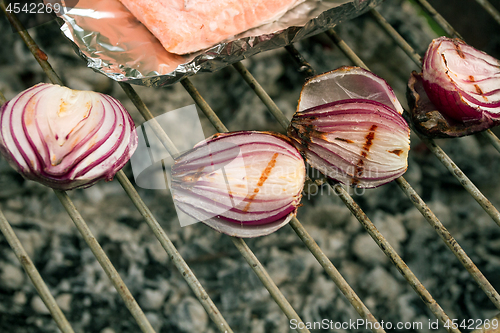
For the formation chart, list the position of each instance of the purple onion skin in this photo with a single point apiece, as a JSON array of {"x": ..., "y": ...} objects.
[
  {"x": 244, "y": 184},
  {"x": 462, "y": 82},
  {"x": 95, "y": 144},
  {"x": 358, "y": 142}
]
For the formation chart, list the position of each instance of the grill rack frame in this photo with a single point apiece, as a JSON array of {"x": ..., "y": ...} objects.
[{"x": 296, "y": 225}]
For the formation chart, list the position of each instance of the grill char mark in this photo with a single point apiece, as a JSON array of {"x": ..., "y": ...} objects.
[
  {"x": 458, "y": 49},
  {"x": 344, "y": 140},
  {"x": 359, "y": 168},
  {"x": 397, "y": 152},
  {"x": 263, "y": 177}
]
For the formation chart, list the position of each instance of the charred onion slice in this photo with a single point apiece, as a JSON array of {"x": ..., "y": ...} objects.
[
  {"x": 357, "y": 142},
  {"x": 66, "y": 138},
  {"x": 244, "y": 184}
]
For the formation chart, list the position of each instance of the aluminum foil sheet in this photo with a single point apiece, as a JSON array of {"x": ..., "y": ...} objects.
[{"x": 117, "y": 45}]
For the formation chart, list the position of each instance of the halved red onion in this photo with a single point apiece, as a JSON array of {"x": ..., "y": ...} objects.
[
  {"x": 461, "y": 81},
  {"x": 347, "y": 82},
  {"x": 244, "y": 184},
  {"x": 358, "y": 142},
  {"x": 349, "y": 126},
  {"x": 429, "y": 121},
  {"x": 65, "y": 138}
]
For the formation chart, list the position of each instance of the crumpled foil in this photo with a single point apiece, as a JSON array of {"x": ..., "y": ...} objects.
[{"x": 117, "y": 45}]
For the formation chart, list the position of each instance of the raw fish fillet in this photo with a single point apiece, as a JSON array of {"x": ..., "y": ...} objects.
[{"x": 185, "y": 26}]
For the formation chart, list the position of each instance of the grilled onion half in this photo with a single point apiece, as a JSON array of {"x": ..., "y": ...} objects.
[
  {"x": 348, "y": 125},
  {"x": 243, "y": 184},
  {"x": 458, "y": 91}
]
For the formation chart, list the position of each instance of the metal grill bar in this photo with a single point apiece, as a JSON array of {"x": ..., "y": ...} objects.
[
  {"x": 345, "y": 49},
  {"x": 207, "y": 110},
  {"x": 105, "y": 263},
  {"x": 389, "y": 251},
  {"x": 267, "y": 281},
  {"x": 31, "y": 270},
  {"x": 402, "y": 43},
  {"x": 490, "y": 9},
  {"x": 174, "y": 255},
  {"x": 357, "y": 211},
  {"x": 492, "y": 139},
  {"x": 39, "y": 55},
  {"x": 450, "y": 241},
  {"x": 462, "y": 178},
  {"x": 262, "y": 94},
  {"x": 34, "y": 276},
  {"x": 438, "y": 18},
  {"x": 334, "y": 274},
  {"x": 304, "y": 65},
  {"x": 146, "y": 114}
]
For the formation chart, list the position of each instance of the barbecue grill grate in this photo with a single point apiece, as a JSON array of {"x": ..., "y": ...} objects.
[{"x": 240, "y": 244}]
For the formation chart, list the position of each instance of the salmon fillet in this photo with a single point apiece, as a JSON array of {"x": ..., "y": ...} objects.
[{"x": 185, "y": 26}]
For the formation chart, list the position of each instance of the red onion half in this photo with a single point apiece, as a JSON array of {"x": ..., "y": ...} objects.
[
  {"x": 244, "y": 184},
  {"x": 429, "y": 121},
  {"x": 461, "y": 81},
  {"x": 65, "y": 138},
  {"x": 349, "y": 126},
  {"x": 357, "y": 142}
]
